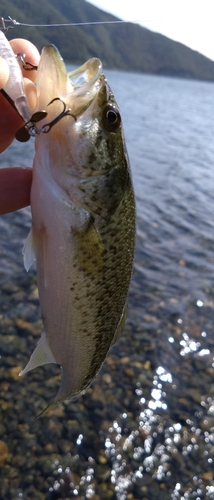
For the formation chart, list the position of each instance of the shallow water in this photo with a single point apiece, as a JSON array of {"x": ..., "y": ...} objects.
[{"x": 145, "y": 428}]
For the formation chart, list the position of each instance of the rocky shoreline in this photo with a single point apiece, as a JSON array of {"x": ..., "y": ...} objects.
[{"x": 144, "y": 428}]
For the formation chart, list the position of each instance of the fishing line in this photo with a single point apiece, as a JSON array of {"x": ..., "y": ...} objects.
[{"x": 6, "y": 26}]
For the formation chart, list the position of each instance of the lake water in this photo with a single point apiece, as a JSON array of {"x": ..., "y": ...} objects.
[{"x": 145, "y": 428}]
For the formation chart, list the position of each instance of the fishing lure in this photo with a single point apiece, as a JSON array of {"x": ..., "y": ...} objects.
[{"x": 14, "y": 92}]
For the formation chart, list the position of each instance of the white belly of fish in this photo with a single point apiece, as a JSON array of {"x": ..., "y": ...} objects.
[
  {"x": 66, "y": 305},
  {"x": 84, "y": 265}
]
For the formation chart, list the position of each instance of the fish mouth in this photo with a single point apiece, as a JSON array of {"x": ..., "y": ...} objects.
[
  {"x": 85, "y": 79},
  {"x": 77, "y": 89},
  {"x": 88, "y": 84}
]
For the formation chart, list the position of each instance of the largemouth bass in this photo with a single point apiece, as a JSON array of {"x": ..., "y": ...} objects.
[{"x": 83, "y": 221}]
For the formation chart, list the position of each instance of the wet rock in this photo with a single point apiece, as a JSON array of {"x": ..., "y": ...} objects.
[
  {"x": 102, "y": 457},
  {"x": 29, "y": 327},
  {"x": 107, "y": 378},
  {"x": 14, "y": 372},
  {"x": 4, "y": 452}
]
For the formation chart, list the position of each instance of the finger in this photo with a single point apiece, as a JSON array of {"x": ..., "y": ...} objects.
[
  {"x": 15, "y": 185},
  {"x": 30, "y": 91},
  {"x": 10, "y": 122},
  {"x": 4, "y": 72},
  {"x": 31, "y": 55}
]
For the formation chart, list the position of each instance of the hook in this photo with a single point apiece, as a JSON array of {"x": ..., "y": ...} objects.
[
  {"x": 48, "y": 126},
  {"x": 25, "y": 64},
  {"x": 30, "y": 128}
]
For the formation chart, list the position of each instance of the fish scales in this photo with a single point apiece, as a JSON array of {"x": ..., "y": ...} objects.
[{"x": 83, "y": 222}]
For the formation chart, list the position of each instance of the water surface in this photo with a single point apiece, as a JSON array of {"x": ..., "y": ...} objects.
[{"x": 145, "y": 428}]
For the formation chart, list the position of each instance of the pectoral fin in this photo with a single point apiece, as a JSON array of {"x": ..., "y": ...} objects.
[
  {"x": 41, "y": 355},
  {"x": 29, "y": 250},
  {"x": 36, "y": 245}
]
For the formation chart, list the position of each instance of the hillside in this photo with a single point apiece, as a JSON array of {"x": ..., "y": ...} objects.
[{"x": 122, "y": 46}]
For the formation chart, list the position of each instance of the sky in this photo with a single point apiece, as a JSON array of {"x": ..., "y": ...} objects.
[{"x": 190, "y": 22}]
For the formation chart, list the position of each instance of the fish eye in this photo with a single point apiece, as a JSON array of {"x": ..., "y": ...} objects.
[{"x": 111, "y": 117}]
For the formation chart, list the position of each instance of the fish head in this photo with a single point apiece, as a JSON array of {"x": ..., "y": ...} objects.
[
  {"x": 97, "y": 138},
  {"x": 87, "y": 127}
]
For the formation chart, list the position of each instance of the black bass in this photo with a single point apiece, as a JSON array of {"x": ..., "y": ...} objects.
[{"x": 83, "y": 221}]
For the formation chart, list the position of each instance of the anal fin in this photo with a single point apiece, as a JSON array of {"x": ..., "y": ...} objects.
[{"x": 41, "y": 355}]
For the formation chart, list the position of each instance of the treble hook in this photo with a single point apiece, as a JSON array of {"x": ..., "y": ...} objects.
[
  {"x": 31, "y": 130},
  {"x": 48, "y": 126},
  {"x": 25, "y": 64}
]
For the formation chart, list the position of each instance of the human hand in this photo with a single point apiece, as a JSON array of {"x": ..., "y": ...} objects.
[{"x": 15, "y": 183}]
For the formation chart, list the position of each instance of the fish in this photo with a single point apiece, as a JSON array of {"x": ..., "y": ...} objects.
[{"x": 83, "y": 221}]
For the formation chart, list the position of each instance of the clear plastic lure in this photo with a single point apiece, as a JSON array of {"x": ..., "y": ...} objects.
[{"x": 14, "y": 87}]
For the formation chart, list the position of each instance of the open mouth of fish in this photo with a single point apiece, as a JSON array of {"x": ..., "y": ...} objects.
[
  {"x": 61, "y": 94},
  {"x": 85, "y": 88}
]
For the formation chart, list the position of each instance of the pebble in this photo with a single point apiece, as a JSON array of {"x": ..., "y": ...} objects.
[
  {"x": 30, "y": 327},
  {"x": 14, "y": 372},
  {"x": 4, "y": 452},
  {"x": 107, "y": 378}
]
